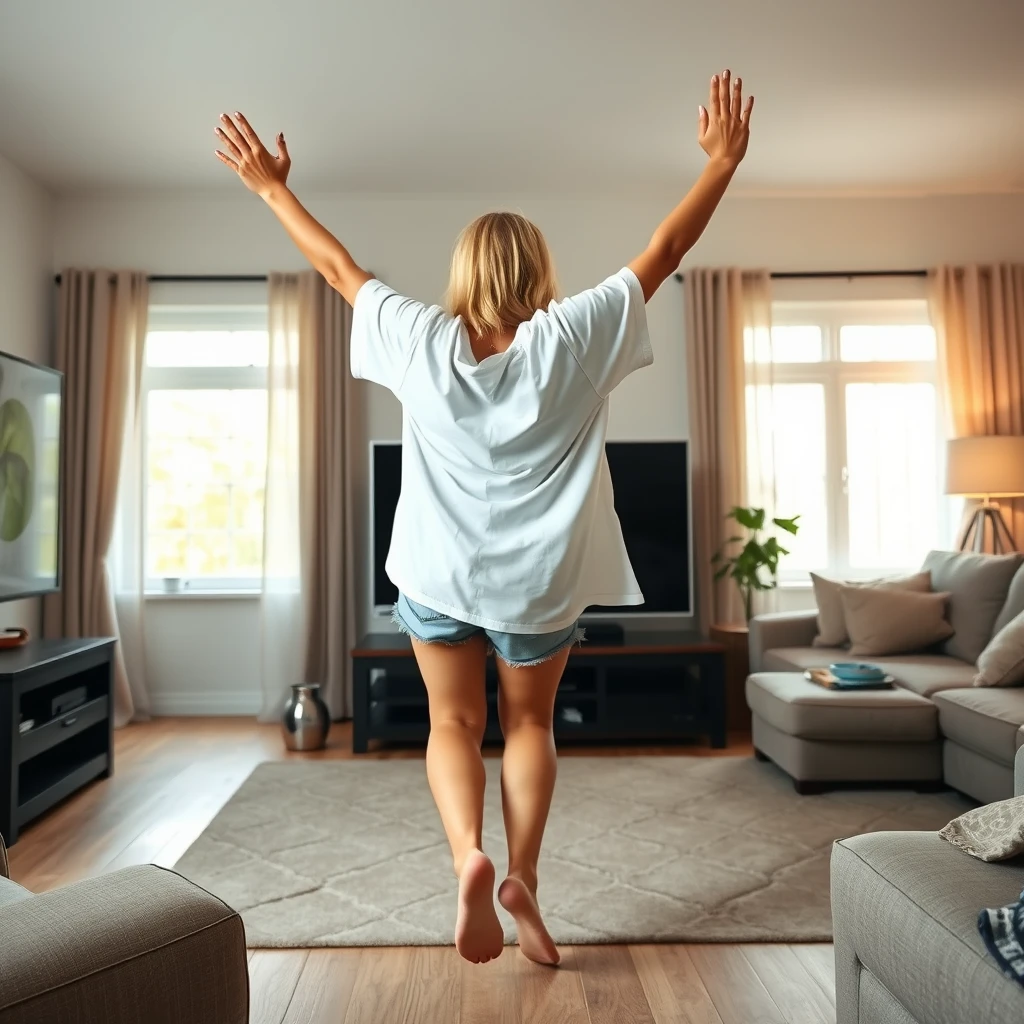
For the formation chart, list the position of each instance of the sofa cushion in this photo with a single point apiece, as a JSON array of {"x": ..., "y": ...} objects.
[
  {"x": 983, "y": 719},
  {"x": 978, "y": 586},
  {"x": 798, "y": 707},
  {"x": 832, "y": 631},
  {"x": 1002, "y": 662},
  {"x": 925, "y": 674},
  {"x": 882, "y": 622},
  {"x": 905, "y": 905},
  {"x": 1014, "y": 602}
]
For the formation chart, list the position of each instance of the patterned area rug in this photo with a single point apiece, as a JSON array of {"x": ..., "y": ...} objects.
[{"x": 639, "y": 849}]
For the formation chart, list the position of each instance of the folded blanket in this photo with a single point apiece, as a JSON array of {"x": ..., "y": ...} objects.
[
  {"x": 1003, "y": 933},
  {"x": 992, "y": 832}
]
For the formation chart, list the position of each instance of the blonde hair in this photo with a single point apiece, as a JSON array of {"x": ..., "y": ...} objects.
[{"x": 501, "y": 274}]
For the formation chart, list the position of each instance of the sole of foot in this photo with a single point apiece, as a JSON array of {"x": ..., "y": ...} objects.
[
  {"x": 534, "y": 940},
  {"x": 478, "y": 933}
]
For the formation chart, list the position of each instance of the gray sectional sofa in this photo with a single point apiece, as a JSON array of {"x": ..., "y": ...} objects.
[{"x": 935, "y": 727}]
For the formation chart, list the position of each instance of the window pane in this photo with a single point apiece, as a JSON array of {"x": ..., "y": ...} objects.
[
  {"x": 207, "y": 348},
  {"x": 867, "y": 343},
  {"x": 893, "y": 483},
  {"x": 206, "y": 465},
  {"x": 786, "y": 427},
  {"x": 799, "y": 343}
]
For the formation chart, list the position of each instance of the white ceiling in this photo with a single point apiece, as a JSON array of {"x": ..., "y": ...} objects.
[{"x": 521, "y": 96}]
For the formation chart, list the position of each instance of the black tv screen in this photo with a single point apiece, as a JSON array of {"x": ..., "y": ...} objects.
[
  {"x": 650, "y": 480},
  {"x": 30, "y": 443}
]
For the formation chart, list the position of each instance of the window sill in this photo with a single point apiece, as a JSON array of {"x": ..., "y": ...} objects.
[{"x": 202, "y": 595}]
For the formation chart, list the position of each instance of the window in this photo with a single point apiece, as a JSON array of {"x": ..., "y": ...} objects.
[
  {"x": 848, "y": 416},
  {"x": 205, "y": 446}
]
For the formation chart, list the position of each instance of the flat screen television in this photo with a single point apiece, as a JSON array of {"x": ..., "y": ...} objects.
[
  {"x": 31, "y": 397},
  {"x": 651, "y": 480}
]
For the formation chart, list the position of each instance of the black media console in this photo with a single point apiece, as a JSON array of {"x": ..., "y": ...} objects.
[
  {"x": 651, "y": 685},
  {"x": 56, "y": 722}
]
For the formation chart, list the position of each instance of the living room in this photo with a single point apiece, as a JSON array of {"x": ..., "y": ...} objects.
[{"x": 844, "y": 347}]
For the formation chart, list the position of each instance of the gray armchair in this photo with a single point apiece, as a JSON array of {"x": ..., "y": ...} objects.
[
  {"x": 904, "y": 910},
  {"x": 140, "y": 944}
]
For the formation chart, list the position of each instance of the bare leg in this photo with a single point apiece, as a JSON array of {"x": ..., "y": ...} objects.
[
  {"x": 526, "y": 702},
  {"x": 454, "y": 677}
]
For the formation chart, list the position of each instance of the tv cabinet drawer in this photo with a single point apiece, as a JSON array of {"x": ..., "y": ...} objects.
[{"x": 44, "y": 737}]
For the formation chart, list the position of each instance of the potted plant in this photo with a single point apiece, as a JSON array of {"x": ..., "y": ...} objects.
[{"x": 755, "y": 566}]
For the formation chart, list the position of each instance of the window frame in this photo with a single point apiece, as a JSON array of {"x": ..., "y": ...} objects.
[
  {"x": 834, "y": 374},
  {"x": 197, "y": 317}
]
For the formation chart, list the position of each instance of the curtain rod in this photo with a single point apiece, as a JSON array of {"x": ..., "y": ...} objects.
[
  {"x": 183, "y": 278},
  {"x": 800, "y": 275}
]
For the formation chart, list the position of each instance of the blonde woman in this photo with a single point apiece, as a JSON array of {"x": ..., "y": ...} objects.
[{"x": 505, "y": 529}]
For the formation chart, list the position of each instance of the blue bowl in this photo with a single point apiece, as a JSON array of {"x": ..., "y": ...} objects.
[{"x": 857, "y": 670}]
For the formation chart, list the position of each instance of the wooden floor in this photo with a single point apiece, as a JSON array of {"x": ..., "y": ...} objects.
[{"x": 173, "y": 775}]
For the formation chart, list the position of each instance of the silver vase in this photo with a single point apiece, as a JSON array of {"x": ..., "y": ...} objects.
[{"x": 306, "y": 720}]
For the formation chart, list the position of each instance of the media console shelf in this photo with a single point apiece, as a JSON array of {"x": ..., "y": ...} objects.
[
  {"x": 653, "y": 685},
  {"x": 56, "y": 724}
]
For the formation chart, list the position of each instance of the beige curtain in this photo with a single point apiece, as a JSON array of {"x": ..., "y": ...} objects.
[
  {"x": 328, "y": 557},
  {"x": 101, "y": 334},
  {"x": 728, "y": 351},
  {"x": 308, "y": 603},
  {"x": 978, "y": 312}
]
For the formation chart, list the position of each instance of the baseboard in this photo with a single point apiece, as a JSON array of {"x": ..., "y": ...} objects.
[{"x": 204, "y": 703}]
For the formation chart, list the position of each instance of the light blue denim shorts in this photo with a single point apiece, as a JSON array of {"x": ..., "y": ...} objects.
[{"x": 517, "y": 649}]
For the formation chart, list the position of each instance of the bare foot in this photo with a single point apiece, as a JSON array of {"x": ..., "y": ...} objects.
[
  {"x": 534, "y": 940},
  {"x": 478, "y": 933}
]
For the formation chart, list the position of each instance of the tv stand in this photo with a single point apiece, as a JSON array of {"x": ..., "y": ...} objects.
[
  {"x": 651, "y": 685},
  {"x": 604, "y": 632}
]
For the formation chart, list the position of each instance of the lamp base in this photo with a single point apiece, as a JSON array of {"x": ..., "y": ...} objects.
[{"x": 987, "y": 514}]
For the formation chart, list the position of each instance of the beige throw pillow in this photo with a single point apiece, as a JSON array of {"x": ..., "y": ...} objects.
[
  {"x": 992, "y": 832},
  {"x": 832, "y": 630},
  {"x": 1002, "y": 662},
  {"x": 893, "y": 621}
]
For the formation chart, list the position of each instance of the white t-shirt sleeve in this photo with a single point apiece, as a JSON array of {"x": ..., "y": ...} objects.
[
  {"x": 605, "y": 329},
  {"x": 386, "y": 328}
]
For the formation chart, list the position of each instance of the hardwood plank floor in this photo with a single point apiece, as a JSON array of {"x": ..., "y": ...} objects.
[{"x": 173, "y": 775}]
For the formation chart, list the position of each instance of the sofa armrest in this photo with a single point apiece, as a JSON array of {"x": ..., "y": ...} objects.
[
  {"x": 780, "y": 629},
  {"x": 1018, "y": 765},
  {"x": 141, "y": 944}
]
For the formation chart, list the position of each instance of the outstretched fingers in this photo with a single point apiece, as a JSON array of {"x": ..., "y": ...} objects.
[
  {"x": 715, "y": 99},
  {"x": 747, "y": 111},
  {"x": 724, "y": 98},
  {"x": 251, "y": 138},
  {"x": 225, "y": 159}
]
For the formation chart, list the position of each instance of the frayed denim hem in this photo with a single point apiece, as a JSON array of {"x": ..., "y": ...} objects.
[
  {"x": 578, "y": 635},
  {"x": 403, "y": 627}
]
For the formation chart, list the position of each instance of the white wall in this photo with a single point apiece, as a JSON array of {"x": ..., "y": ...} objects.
[
  {"x": 202, "y": 655},
  {"x": 26, "y": 303}
]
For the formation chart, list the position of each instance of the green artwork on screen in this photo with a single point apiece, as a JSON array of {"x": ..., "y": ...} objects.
[{"x": 17, "y": 468}]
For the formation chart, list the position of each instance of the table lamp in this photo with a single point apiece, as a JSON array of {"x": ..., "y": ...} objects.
[{"x": 986, "y": 467}]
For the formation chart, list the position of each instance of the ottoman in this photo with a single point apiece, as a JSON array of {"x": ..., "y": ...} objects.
[{"x": 820, "y": 736}]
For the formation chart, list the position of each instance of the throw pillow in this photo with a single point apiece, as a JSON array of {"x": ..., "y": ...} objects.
[
  {"x": 831, "y": 617},
  {"x": 1002, "y": 662},
  {"x": 1014, "y": 601},
  {"x": 893, "y": 621},
  {"x": 992, "y": 832},
  {"x": 978, "y": 586}
]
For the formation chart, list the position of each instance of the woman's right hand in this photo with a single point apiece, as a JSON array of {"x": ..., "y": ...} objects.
[
  {"x": 260, "y": 172},
  {"x": 724, "y": 127}
]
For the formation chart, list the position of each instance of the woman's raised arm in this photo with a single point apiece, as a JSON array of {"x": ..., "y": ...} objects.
[
  {"x": 723, "y": 132},
  {"x": 265, "y": 174}
]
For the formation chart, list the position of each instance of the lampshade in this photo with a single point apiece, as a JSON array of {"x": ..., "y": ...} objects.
[{"x": 992, "y": 466}]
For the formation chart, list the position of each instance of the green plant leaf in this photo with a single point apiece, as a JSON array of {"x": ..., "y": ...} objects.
[
  {"x": 751, "y": 518},
  {"x": 789, "y": 525}
]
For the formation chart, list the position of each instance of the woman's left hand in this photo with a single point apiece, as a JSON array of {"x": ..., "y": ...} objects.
[{"x": 260, "y": 171}]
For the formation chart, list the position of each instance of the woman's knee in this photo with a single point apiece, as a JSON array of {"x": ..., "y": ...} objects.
[{"x": 461, "y": 719}]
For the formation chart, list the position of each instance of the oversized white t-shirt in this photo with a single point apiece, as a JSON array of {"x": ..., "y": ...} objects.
[{"x": 506, "y": 517}]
